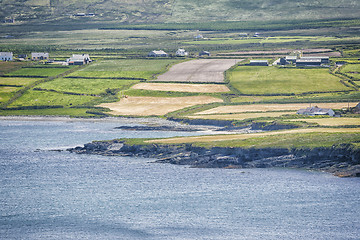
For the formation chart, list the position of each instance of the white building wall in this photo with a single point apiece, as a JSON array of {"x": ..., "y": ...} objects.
[{"x": 6, "y": 56}]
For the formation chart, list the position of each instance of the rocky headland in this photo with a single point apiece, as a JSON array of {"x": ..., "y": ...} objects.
[{"x": 342, "y": 160}]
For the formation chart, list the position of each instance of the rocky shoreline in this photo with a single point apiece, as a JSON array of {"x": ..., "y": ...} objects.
[{"x": 342, "y": 161}]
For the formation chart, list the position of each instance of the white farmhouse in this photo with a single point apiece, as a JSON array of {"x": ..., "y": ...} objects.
[
  {"x": 181, "y": 53},
  {"x": 39, "y": 56},
  {"x": 316, "y": 111},
  {"x": 79, "y": 59},
  {"x": 6, "y": 56},
  {"x": 159, "y": 53}
]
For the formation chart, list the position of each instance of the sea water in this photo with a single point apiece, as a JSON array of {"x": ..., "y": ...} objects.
[{"x": 60, "y": 195}]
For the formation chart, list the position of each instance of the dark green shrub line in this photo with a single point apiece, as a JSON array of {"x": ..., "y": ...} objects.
[
  {"x": 64, "y": 92},
  {"x": 186, "y": 82},
  {"x": 23, "y": 76},
  {"x": 45, "y": 66},
  {"x": 33, "y": 107},
  {"x": 115, "y": 78},
  {"x": 10, "y": 85}
]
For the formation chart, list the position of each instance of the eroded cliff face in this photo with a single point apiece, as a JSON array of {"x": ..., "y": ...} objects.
[{"x": 340, "y": 160}]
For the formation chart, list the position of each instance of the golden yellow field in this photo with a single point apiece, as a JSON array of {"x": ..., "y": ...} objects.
[
  {"x": 332, "y": 121},
  {"x": 178, "y": 87},
  {"x": 274, "y": 107},
  {"x": 151, "y": 106},
  {"x": 213, "y": 138},
  {"x": 241, "y": 116}
]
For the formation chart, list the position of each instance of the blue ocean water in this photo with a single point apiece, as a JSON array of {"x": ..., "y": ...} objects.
[{"x": 58, "y": 195}]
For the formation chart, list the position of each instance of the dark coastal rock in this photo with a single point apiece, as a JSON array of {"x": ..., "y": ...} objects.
[
  {"x": 156, "y": 128},
  {"x": 340, "y": 160}
]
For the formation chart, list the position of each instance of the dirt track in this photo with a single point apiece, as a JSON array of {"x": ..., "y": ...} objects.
[
  {"x": 155, "y": 106},
  {"x": 202, "y": 70}
]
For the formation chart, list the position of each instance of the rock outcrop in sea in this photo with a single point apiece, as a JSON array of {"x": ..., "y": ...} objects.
[{"x": 341, "y": 160}]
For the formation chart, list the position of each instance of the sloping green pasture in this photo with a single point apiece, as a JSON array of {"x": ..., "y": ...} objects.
[
  {"x": 36, "y": 71},
  {"x": 127, "y": 68},
  {"x": 44, "y": 98},
  {"x": 275, "y": 80},
  {"x": 352, "y": 70},
  {"x": 86, "y": 86},
  {"x": 17, "y": 81},
  {"x": 8, "y": 86}
]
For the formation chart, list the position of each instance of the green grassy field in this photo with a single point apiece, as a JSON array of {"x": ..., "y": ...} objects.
[
  {"x": 86, "y": 86},
  {"x": 275, "y": 80},
  {"x": 17, "y": 81},
  {"x": 42, "y": 98},
  {"x": 45, "y": 72},
  {"x": 128, "y": 68},
  {"x": 307, "y": 98},
  {"x": 6, "y": 93},
  {"x": 352, "y": 70},
  {"x": 297, "y": 140}
]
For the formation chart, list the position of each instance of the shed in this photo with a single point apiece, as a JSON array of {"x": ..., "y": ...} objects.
[
  {"x": 6, "y": 56},
  {"x": 204, "y": 53},
  {"x": 157, "y": 53},
  {"x": 199, "y": 36},
  {"x": 323, "y": 59},
  {"x": 291, "y": 58},
  {"x": 258, "y": 63},
  {"x": 308, "y": 62},
  {"x": 316, "y": 111}
]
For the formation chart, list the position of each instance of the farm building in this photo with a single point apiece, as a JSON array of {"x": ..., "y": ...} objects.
[
  {"x": 281, "y": 61},
  {"x": 159, "y": 53},
  {"x": 315, "y": 111},
  {"x": 308, "y": 62},
  {"x": 199, "y": 36},
  {"x": 258, "y": 63},
  {"x": 357, "y": 109},
  {"x": 6, "y": 56},
  {"x": 204, "y": 53},
  {"x": 291, "y": 59},
  {"x": 323, "y": 59},
  {"x": 39, "y": 56},
  {"x": 23, "y": 56},
  {"x": 181, "y": 53},
  {"x": 79, "y": 59}
]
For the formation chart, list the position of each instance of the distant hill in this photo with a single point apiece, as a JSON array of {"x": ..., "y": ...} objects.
[{"x": 155, "y": 11}]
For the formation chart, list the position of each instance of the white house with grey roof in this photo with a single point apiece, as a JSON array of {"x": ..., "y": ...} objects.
[
  {"x": 181, "y": 53},
  {"x": 79, "y": 59},
  {"x": 157, "y": 53},
  {"x": 6, "y": 56},
  {"x": 39, "y": 56},
  {"x": 316, "y": 111}
]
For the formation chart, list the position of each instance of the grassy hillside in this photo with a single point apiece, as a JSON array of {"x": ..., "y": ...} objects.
[{"x": 130, "y": 11}]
